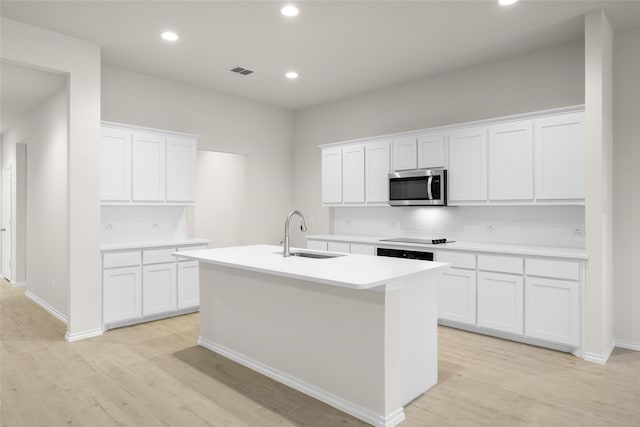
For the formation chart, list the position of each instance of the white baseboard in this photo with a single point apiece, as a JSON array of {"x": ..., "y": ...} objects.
[
  {"x": 19, "y": 284},
  {"x": 83, "y": 335},
  {"x": 55, "y": 313},
  {"x": 629, "y": 345},
  {"x": 600, "y": 359},
  {"x": 391, "y": 420}
]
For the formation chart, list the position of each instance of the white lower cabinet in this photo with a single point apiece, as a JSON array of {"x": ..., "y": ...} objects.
[
  {"x": 457, "y": 296},
  {"x": 159, "y": 288},
  {"x": 318, "y": 245},
  {"x": 338, "y": 247},
  {"x": 361, "y": 249},
  {"x": 147, "y": 284},
  {"x": 553, "y": 310},
  {"x": 122, "y": 293},
  {"x": 188, "y": 284},
  {"x": 501, "y": 302}
]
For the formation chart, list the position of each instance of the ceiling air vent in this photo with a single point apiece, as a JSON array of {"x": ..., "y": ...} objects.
[{"x": 242, "y": 71}]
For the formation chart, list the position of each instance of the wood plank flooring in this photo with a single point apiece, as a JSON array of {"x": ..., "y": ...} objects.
[{"x": 154, "y": 374}]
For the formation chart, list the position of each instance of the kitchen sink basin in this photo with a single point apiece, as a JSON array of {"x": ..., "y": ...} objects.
[{"x": 315, "y": 255}]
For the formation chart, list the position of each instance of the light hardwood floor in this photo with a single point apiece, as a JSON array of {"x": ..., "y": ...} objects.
[{"x": 154, "y": 374}]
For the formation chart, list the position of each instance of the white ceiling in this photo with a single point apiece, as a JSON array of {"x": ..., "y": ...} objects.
[
  {"x": 22, "y": 89},
  {"x": 339, "y": 48}
]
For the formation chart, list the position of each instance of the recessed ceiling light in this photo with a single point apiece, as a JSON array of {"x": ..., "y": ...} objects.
[
  {"x": 289, "y": 10},
  {"x": 169, "y": 36},
  {"x": 291, "y": 75},
  {"x": 506, "y": 2}
]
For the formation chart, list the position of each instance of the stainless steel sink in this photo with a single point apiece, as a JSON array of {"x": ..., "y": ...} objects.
[{"x": 315, "y": 255}]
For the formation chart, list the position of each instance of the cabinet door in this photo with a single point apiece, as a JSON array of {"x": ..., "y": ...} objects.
[
  {"x": 468, "y": 165},
  {"x": 158, "y": 288},
  {"x": 122, "y": 294},
  {"x": 431, "y": 152},
  {"x": 115, "y": 165},
  {"x": 353, "y": 174},
  {"x": 332, "y": 175},
  {"x": 500, "y": 302},
  {"x": 553, "y": 310},
  {"x": 362, "y": 249},
  {"x": 405, "y": 154},
  {"x": 181, "y": 169},
  {"x": 377, "y": 162},
  {"x": 559, "y": 157},
  {"x": 338, "y": 247},
  {"x": 188, "y": 284},
  {"x": 318, "y": 245},
  {"x": 149, "y": 151},
  {"x": 457, "y": 296},
  {"x": 510, "y": 156}
]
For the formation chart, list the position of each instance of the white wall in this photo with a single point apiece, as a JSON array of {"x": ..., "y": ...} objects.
[
  {"x": 47, "y": 243},
  {"x": 526, "y": 225},
  {"x": 144, "y": 223},
  {"x": 222, "y": 209},
  {"x": 224, "y": 123},
  {"x": 80, "y": 60},
  {"x": 626, "y": 176},
  {"x": 536, "y": 81}
]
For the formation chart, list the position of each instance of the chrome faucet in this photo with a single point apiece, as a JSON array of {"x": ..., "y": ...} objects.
[{"x": 303, "y": 227}]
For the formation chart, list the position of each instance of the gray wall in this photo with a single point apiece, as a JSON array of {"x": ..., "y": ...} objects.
[
  {"x": 224, "y": 123},
  {"x": 626, "y": 176},
  {"x": 535, "y": 81}
]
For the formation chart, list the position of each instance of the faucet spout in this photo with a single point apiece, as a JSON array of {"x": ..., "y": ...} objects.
[{"x": 303, "y": 227}]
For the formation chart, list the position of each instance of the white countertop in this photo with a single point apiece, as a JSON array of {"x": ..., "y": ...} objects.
[
  {"x": 151, "y": 244},
  {"x": 574, "y": 253},
  {"x": 348, "y": 271}
]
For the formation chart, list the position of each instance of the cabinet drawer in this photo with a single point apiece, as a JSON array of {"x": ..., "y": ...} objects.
[
  {"x": 338, "y": 247},
  {"x": 155, "y": 256},
  {"x": 357, "y": 248},
  {"x": 457, "y": 259},
  {"x": 503, "y": 264},
  {"x": 192, "y": 248},
  {"x": 553, "y": 268},
  {"x": 121, "y": 259},
  {"x": 318, "y": 245}
]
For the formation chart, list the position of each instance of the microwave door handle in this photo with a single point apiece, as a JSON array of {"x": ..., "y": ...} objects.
[{"x": 429, "y": 184}]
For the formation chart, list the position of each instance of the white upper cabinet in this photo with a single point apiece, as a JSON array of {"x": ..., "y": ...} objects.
[
  {"x": 353, "y": 174},
  {"x": 510, "y": 155},
  {"x": 468, "y": 165},
  {"x": 116, "y": 165},
  {"x": 181, "y": 163},
  {"x": 536, "y": 158},
  {"x": 145, "y": 166},
  {"x": 405, "y": 155},
  {"x": 149, "y": 151},
  {"x": 332, "y": 175},
  {"x": 377, "y": 162},
  {"x": 431, "y": 151},
  {"x": 559, "y": 157}
]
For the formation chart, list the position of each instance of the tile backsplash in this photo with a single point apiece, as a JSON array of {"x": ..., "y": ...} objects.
[
  {"x": 556, "y": 226},
  {"x": 144, "y": 223}
]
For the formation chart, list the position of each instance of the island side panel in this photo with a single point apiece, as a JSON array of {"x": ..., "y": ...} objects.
[
  {"x": 325, "y": 336},
  {"x": 419, "y": 331}
]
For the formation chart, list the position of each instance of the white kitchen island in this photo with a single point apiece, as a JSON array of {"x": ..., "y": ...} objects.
[{"x": 358, "y": 332}]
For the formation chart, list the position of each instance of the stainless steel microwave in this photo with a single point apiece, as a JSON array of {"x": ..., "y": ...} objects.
[{"x": 420, "y": 187}]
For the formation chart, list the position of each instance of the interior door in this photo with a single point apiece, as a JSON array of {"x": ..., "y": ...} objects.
[{"x": 6, "y": 223}]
